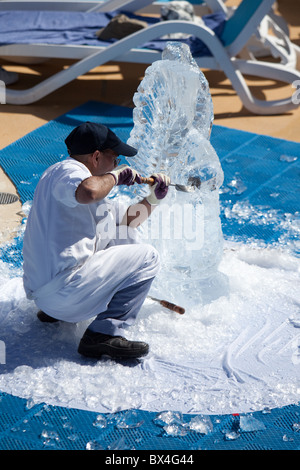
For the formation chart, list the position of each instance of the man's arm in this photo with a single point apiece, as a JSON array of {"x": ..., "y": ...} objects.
[
  {"x": 94, "y": 188},
  {"x": 137, "y": 214}
]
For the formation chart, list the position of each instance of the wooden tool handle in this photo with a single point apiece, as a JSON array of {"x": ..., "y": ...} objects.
[
  {"x": 150, "y": 181},
  {"x": 173, "y": 307}
]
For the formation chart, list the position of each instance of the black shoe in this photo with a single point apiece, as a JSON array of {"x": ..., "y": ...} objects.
[
  {"x": 97, "y": 344},
  {"x": 42, "y": 316}
]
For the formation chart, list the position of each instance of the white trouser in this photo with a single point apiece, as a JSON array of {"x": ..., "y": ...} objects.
[{"x": 100, "y": 286}]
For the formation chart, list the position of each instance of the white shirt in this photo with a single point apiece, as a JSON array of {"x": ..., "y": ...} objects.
[{"x": 62, "y": 234}]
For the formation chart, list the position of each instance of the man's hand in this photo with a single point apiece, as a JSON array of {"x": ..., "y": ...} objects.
[
  {"x": 139, "y": 212},
  {"x": 159, "y": 189},
  {"x": 123, "y": 174}
]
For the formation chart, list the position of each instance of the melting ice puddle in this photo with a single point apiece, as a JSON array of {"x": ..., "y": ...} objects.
[{"x": 240, "y": 353}]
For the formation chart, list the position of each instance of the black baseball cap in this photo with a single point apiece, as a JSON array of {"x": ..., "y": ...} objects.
[{"x": 91, "y": 136}]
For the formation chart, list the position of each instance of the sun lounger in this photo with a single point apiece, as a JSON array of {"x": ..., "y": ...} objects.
[{"x": 221, "y": 52}]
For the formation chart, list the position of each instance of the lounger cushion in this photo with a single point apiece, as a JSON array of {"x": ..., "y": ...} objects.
[{"x": 79, "y": 28}]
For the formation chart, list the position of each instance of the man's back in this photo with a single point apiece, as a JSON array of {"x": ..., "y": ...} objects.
[{"x": 60, "y": 233}]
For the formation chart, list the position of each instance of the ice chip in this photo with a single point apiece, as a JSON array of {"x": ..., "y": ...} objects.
[
  {"x": 168, "y": 417},
  {"x": 94, "y": 445},
  {"x": 237, "y": 185},
  {"x": 174, "y": 430},
  {"x": 30, "y": 403},
  {"x": 201, "y": 424},
  {"x": 248, "y": 424},
  {"x": 287, "y": 158},
  {"x": 231, "y": 435},
  {"x": 100, "y": 421},
  {"x": 49, "y": 437},
  {"x": 118, "y": 444},
  {"x": 130, "y": 420}
]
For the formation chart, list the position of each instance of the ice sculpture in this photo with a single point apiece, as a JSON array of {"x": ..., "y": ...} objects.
[{"x": 173, "y": 116}]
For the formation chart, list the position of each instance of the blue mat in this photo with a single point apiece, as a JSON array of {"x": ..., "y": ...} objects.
[{"x": 260, "y": 172}]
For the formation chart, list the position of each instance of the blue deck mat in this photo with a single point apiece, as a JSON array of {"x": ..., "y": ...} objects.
[{"x": 260, "y": 171}]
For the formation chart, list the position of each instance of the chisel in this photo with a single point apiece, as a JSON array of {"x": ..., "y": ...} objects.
[{"x": 195, "y": 183}]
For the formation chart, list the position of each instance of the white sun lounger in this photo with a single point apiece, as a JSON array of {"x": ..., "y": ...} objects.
[
  {"x": 261, "y": 43},
  {"x": 224, "y": 56}
]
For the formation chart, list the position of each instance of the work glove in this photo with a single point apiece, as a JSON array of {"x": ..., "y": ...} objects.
[
  {"x": 159, "y": 189},
  {"x": 123, "y": 174}
]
